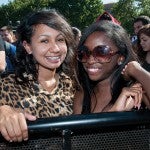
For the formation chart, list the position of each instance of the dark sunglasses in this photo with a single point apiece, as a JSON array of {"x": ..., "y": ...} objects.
[{"x": 102, "y": 53}]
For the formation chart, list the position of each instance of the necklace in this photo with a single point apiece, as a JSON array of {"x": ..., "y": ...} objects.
[{"x": 49, "y": 85}]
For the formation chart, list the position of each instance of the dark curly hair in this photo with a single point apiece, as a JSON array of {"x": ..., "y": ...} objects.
[{"x": 26, "y": 65}]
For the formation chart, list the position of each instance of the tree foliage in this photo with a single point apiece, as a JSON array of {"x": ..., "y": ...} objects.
[
  {"x": 17, "y": 9},
  {"x": 127, "y": 10},
  {"x": 79, "y": 13},
  {"x": 144, "y": 6}
]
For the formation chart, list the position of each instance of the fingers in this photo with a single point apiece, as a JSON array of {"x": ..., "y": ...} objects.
[
  {"x": 5, "y": 134},
  {"x": 23, "y": 126},
  {"x": 29, "y": 117},
  {"x": 129, "y": 98},
  {"x": 138, "y": 93},
  {"x": 134, "y": 96},
  {"x": 129, "y": 103},
  {"x": 125, "y": 74},
  {"x": 13, "y": 126}
]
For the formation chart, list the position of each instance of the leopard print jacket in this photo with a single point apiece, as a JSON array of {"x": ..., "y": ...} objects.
[{"x": 37, "y": 101}]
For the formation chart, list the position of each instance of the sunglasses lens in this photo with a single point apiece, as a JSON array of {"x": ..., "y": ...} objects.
[
  {"x": 83, "y": 54},
  {"x": 102, "y": 51}
]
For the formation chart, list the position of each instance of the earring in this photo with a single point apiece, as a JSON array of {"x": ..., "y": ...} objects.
[
  {"x": 30, "y": 52},
  {"x": 120, "y": 63}
]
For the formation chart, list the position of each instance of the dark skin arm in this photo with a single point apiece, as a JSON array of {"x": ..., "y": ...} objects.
[{"x": 135, "y": 70}]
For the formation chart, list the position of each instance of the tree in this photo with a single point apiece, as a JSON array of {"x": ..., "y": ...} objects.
[
  {"x": 144, "y": 7},
  {"x": 17, "y": 9},
  {"x": 79, "y": 13},
  {"x": 127, "y": 10}
]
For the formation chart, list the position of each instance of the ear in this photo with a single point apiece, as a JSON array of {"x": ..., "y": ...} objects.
[
  {"x": 121, "y": 60},
  {"x": 27, "y": 47}
]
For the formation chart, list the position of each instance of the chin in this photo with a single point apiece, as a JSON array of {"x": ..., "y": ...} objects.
[{"x": 93, "y": 78}]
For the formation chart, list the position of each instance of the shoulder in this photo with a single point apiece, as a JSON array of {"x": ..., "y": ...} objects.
[
  {"x": 65, "y": 80},
  {"x": 8, "y": 79},
  {"x": 64, "y": 76},
  {"x": 10, "y": 48},
  {"x": 7, "y": 88},
  {"x": 7, "y": 83}
]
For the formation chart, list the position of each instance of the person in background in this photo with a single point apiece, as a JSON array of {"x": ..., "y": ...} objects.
[
  {"x": 137, "y": 24},
  {"x": 77, "y": 34},
  {"x": 103, "y": 52},
  {"x": 8, "y": 35},
  {"x": 2, "y": 56},
  {"x": 10, "y": 58},
  {"x": 10, "y": 49},
  {"x": 143, "y": 46},
  {"x": 7, "y": 60},
  {"x": 107, "y": 16},
  {"x": 44, "y": 82}
]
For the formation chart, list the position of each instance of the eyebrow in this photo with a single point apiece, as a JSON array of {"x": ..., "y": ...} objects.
[{"x": 47, "y": 35}]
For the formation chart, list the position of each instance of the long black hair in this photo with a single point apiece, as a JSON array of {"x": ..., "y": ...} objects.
[{"x": 122, "y": 41}]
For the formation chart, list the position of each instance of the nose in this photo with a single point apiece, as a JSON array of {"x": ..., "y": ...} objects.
[
  {"x": 91, "y": 59},
  {"x": 54, "y": 47},
  {"x": 141, "y": 43}
]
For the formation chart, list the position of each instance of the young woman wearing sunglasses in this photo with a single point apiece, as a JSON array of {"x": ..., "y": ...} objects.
[{"x": 104, "y": 50}]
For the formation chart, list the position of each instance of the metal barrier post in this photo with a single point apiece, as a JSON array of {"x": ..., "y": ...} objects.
[{"x": 66, "y": 139}]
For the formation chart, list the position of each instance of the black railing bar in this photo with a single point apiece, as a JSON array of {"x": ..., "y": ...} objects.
[{"x": 91, "y": 120}]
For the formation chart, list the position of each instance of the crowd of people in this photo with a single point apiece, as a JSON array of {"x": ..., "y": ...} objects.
[{"x": 59, "y": 70}]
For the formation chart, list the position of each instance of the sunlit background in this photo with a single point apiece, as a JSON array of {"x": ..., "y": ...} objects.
[{"x": 104, "y": 1}]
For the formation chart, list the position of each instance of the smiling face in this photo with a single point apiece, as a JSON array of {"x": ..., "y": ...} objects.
[
  {"x": 97, "y": 70},
  {"x": 48, "y": 46},
  {"x": 7, "y": 36},
  {"x": 145, "y": 42}
]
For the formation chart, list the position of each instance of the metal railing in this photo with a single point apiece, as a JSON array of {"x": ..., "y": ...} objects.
[{"x": 101, "y": 131}]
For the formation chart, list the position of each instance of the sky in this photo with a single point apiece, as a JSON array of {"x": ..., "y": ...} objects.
[
  {"x": 3, "y": 2},
  {"x": 109, "y": 1},
  {"x": 104, "y": 1}
]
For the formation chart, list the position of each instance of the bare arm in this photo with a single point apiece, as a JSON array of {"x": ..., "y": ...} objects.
[
  {"x": 2, "y": 56},
  {"x": 135, "y": 70},
  {"x": 2, "y": 61}
]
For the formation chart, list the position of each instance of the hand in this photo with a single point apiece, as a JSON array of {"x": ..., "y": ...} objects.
[
  {"x": 131, "y": 69},
  {"x": 13, "y": 126},
  {"x": 129, "y": 98}
]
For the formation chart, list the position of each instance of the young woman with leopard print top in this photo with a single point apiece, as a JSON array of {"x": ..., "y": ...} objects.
[{"x": 44, "y": 82}]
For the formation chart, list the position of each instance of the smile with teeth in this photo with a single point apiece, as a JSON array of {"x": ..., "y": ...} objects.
[
  {"x": 93, "y": 70},
  {"x": 53, "y": 58}
]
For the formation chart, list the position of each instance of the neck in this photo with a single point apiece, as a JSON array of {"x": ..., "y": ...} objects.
[
  {"x": 47, "y": 79},
  {"x": 102, "y": 96}
]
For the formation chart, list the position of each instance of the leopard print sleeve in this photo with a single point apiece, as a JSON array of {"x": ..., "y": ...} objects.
[{"x": 7, "y": 89}]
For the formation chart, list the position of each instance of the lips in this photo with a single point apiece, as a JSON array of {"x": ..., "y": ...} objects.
[
  {"x": 53, "y": 58},
  {"x": 93, "y": 70}
]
